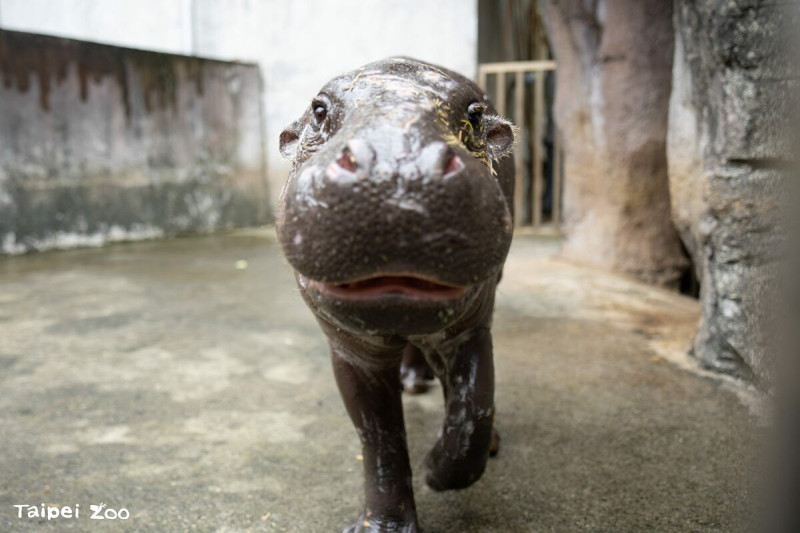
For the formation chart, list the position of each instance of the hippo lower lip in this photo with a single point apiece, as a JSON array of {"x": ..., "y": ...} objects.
[{"x": 405, "y": 285}]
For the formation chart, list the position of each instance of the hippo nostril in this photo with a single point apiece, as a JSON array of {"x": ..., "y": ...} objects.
[
  {"x": 452, "y": 165},
  {"x": 346, "y": 160}
]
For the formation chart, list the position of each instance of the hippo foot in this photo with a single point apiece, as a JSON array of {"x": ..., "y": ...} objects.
[
  {"x": 375, "y": 524},
  {"x": 415, "y": 379},
  {"x": 446, "y": 473}
]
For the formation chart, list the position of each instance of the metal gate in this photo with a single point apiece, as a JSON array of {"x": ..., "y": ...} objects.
[{"x": 538, "y": 181}]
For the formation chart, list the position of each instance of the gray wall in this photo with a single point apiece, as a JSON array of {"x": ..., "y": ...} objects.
[
  {"x": 100, "y": 143},
  {"x": 299, "y": 45}
]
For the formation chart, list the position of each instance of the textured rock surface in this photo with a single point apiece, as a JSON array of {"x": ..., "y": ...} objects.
[
  {"x": 200, "y": 397},
  {"x": 728, "y": 148},
  {"x": 614, "y": 68},
  {"x": 101, "y": 143}
]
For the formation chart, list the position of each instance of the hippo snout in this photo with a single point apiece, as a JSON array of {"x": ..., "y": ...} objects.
[{"x": 351, "y": 214}]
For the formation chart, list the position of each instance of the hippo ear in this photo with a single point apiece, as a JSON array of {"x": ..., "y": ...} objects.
[
  {"x": 289, "y": 139},
  {"x": 499, "y": 136}
]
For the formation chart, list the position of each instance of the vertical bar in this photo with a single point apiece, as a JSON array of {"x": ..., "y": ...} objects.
[
  {"x": 519, "y": 117},
  {"x": 482, "y": 78},
  {"x": 557, "y": 180},
  {"x": 501, "y": 94},
  {"x": 536, "y": 190}
]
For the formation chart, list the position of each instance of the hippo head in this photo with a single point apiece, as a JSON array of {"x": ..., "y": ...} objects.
[{"x": 396, "y": 214}]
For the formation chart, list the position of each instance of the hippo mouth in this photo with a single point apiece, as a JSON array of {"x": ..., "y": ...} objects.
[{"x": 404, "y": 285}]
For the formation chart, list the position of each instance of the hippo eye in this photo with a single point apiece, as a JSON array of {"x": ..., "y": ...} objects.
[
  {"x": 320, "y": 111},
  {"x": 475, "y": 114}
]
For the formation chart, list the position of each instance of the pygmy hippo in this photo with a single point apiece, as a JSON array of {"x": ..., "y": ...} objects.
[{"x": 396, "y": 218}]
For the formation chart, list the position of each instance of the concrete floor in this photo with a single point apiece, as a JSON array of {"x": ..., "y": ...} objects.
[{"x": 160, "y": 378}]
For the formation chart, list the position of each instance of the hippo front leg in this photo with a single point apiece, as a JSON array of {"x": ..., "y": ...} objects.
[
  {"x": 372, "y": 396},
  {"x": 459, "y": 456}
]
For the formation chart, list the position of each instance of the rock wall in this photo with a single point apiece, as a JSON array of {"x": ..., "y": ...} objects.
[
  {"x": 729, "y": 145},
  {"x": 102, "y": 143},
  {"x": 614, "y": 69}
]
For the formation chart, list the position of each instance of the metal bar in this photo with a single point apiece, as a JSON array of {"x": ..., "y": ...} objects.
[
  {"x": 557, "y": 180},
  {"x": 501, "y": 94},
  {"x": 536, "y": 189},
  {"x": 514, "y": 66},
  {"x": 519, "y": 117}
]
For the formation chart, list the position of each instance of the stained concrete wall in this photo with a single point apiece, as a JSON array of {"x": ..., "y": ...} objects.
[
  {"x": 299, "y": 45},
  {"x": 102, "y": 143}
]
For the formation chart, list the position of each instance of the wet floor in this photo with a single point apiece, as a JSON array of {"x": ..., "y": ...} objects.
[{"x": 186, "y": 382}]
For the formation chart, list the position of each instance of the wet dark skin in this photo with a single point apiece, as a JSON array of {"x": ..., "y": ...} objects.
[{"x": 396, "y": 218}]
